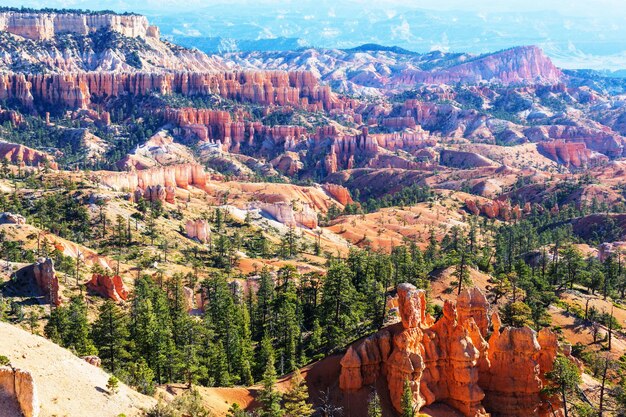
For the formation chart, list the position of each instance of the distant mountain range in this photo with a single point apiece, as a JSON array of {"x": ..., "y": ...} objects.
[{"x": 571, "y": 42}]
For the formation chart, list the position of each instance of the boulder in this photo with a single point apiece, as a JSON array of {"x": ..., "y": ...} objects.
[
  {"x": 10, "y": 218},
  {"x": 93, "y": 360}
]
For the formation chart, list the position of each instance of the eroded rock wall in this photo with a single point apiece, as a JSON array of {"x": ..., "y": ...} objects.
[
  {"x": 75, "y": 90},
  {"x": 111, "y": 287},
  {"x": 450, "y": 361},
  {"x": 45, "y": 26},
  {"x": 19, "y": 385},
  {"x": 46, "y": 279}
]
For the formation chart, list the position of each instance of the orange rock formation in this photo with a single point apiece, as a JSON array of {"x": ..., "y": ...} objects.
[
  {"x": 198, "y": 229},
  {"x": 20, "y": 154},
  {"x": 110, "y": 287},
  {"x": 451, "y": 362},
  {"x": 75, "y": 90},
  {"x": 46, "y": 279},
  {"x": 18, "y": 384}
]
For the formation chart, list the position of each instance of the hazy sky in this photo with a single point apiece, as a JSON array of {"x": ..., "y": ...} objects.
[{"x": 569, "y": 7}]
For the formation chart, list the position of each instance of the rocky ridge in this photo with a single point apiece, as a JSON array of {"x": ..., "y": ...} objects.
[{"x": 45, "y": 26}]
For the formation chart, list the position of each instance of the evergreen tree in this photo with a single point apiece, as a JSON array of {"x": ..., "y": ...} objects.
[
  {"x": 564, "y": 379},
  {"x": 57, "y": 327},
  {"x": 269, "y": 396},
  {"x": 78, "y": 337},
  {"x": 408, "y": 408},
  {"x": 285, "y": 308},
  {"x": 296, "y": 398},
  {"x": 264, "y": 299},
  {"x": 236, "y": 411},
  {"x": 163, "y": 349},
  {"x": 374, "y": 409},
  {"x": 110, "y": 335},
  {"x": 141, "y": 376},
  {"x": 341, "y": 307},
  {"x": 151, "y": 328}
]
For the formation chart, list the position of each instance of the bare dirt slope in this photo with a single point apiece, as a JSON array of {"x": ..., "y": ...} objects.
[{"x": 66, "y": 384}]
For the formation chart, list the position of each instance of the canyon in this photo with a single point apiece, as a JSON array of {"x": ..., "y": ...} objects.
[{"x": 219, "y": 177}]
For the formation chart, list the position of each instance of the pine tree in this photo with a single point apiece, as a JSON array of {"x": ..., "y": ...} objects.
[
  {"x": 374, "y": 408},
  {"x": 265, "y": 353},
  {"x": 151, "y": 328},
  {"x": 57, "y": 327},
  {"x": 247, "y": 351},
  {"x": 110, "y": 335},
  {"x": 564, "y": 378},
  {"x": 163, "y": 349},
  {"x": 236, "y": 411},
  {"x": 269, "y": 396},
  {"x": 219, "y": 366},
  {"x": 265, "y": 296},
  {"x": 113, "y": 385},
  {"x": 296, "y": 398},
  {"x": 143, "y": 320},
  {"x": 141, "y": 376},
  {"x": 285, "y": 309},
  {"x": 78, "y": 329},
  {"x": 407, "y": 400},
  {"x": 341, "y": 309}
]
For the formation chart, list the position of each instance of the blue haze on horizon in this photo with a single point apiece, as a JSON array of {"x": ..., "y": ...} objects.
[{"x": 575, "y": 33}]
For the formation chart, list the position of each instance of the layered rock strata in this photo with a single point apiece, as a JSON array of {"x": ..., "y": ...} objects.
[
  {"x": 76, "y": 90},
  {"x": 287, "y": 214},
  {"x": 45, "y": 26}
]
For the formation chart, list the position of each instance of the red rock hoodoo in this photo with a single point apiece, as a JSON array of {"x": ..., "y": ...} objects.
[
  {"x": 198, "y": 229},
  {"x": 110, "y": 287},
  {"x": 451, "y": 362},
  {"x": 46, "y": 279},
  {"x": 75, "y": 90}
]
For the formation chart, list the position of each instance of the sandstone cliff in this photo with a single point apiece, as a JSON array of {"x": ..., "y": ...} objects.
[
  {"x": 571, "y": 154},
  {"x": 45, "y": 26},
  {"x": 23, "y": 155},
  {"x": 288, "y": 214},
  {"x": 66, "y": 384},
  {"x": 75, "y": 90},
  {"x": 181, "y": 175}
]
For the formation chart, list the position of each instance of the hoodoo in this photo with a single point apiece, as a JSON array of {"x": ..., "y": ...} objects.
[{"x": 450, "y": 361}]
